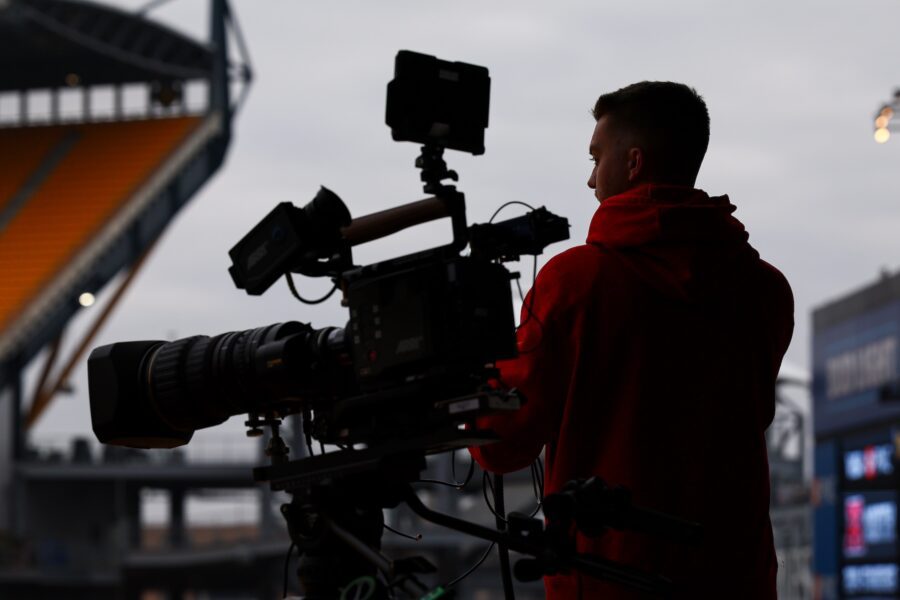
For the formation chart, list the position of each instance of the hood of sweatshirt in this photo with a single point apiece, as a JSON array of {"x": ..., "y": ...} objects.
[{"x": 680, "y": 240}]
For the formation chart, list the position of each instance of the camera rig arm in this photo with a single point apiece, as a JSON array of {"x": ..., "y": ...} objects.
[
  {"x": 527, "y": 536},
  {"x": 331, "y": 491}
]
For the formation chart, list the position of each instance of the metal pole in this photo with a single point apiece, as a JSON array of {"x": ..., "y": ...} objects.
[
  {"x": 18, "y": 437},
  {"x": 44, "y": 396}
]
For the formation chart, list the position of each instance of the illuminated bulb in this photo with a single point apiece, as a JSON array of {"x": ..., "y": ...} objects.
[
  {"x": 882, "y": 121},
  {"x": 86, "y": 299}
]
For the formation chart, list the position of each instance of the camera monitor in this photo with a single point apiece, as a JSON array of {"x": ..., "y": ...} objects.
[{"x": 438, "y": 103}]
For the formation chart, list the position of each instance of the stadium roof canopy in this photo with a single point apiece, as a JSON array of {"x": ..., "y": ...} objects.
[{"x": 59, "y": 43}]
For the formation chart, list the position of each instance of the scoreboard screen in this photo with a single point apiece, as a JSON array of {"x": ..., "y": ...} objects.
[
  {"x": 871, "y": 580},
  {"x": 871, "y": 462},
  {"x": 870, "y": 525}
]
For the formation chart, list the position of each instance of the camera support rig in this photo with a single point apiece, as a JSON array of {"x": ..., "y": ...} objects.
[{"x": 335, "y": 520}]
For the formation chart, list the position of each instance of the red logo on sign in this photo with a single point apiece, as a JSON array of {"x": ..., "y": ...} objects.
[
  {"x": 871, "y": 468},
  {"x": 854, "y": 544}
]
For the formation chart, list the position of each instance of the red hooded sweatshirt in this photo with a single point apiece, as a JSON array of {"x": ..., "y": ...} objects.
[{"x": 649, "y": 359}]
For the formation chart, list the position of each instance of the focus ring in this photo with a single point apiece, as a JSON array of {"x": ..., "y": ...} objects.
[{"x": 167, "y": 376}]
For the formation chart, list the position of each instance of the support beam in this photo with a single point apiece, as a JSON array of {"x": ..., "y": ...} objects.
[
  {"x": 45, "y": 395},
  {"x": 86, "y": 103},
  {"x": 177, "y": 522},
  {"x": 15, "y": 416}
]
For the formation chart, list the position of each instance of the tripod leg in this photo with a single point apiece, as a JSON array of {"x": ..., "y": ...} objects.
[{"x": 328, "y": 564}]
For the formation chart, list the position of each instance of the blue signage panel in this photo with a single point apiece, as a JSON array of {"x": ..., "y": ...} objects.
[
  {"x": 877, "y": 580},
  {"x": 826, "y": 520},
  {"x": 854, "y": 361}
]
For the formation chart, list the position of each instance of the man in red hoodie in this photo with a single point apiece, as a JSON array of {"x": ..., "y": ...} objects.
[{"x": 648, "y": 357}]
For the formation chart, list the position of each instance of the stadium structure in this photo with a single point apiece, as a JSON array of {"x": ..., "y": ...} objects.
[{"x": 109, "y": 124}]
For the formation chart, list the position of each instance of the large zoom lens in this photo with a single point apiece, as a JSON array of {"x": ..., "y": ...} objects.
[{"x": 154, "y": 394}]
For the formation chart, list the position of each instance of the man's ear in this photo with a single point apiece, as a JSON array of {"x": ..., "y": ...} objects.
[{"x": 635, "y": 164}]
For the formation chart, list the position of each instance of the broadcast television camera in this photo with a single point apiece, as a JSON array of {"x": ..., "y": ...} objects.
[
  {"x": 424, "y": 329},
  {"x": 405, "y": 377}
]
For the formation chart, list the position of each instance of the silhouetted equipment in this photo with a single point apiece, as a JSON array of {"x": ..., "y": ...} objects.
[
  {"x": 406, "y": 376},
  {"x": 438, "y": 103},
  {"x": 424, "y": 329}
]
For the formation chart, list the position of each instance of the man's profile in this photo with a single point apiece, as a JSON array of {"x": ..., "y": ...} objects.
[{"x": 648, "y": 357}]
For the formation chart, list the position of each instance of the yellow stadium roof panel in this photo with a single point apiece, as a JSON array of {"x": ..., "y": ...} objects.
[{"x": 58, "y": 187}]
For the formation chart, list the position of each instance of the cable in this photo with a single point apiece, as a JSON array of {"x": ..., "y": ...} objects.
[
  {"x": 510, "y": 203},
  {"x": 473, "y": 567},
  {"x": 415, "y": 538},
  {"x": 485, "y": 484},
  {"x": 534, "y": 483},
  {"x": 537, "y": 484},
  {"x": 290, "y": 282},
  {"x": 287, "y": 560},
  {"x": 454, "y": 484},
  {"x": 366, "y": 584},
  {"x": 529, "y": 308},
  {"x": 538, "y": 470},
  {"x": 470, "y": 472}
]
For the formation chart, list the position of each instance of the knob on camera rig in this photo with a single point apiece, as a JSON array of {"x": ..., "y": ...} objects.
[{"x": 406, "y": 377}]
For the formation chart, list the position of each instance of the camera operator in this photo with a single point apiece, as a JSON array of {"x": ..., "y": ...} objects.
[{"x": 648, "y": 357}]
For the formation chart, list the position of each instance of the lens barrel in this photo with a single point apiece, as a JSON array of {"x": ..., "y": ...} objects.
[{"x": 154, "y": 394}]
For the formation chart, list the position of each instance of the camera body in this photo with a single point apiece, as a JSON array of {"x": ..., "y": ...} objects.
[{"x": 428, "y": 318}]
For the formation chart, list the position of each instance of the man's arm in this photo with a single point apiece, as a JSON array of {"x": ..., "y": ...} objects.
[{"x": 540, "y": 373}]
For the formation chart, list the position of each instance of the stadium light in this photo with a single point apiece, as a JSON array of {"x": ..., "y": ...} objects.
[
  {"x": 86, "y": 299},
  {"x": 883, "y": 121}
]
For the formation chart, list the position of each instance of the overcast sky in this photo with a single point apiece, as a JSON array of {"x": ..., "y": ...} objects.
[{"x": 792, "y": 88}]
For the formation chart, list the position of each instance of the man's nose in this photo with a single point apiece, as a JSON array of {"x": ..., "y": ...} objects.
[{"x": 591, "y": 180}]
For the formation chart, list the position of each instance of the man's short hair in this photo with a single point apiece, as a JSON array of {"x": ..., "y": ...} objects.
[{"x": 669, "y": 121}]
